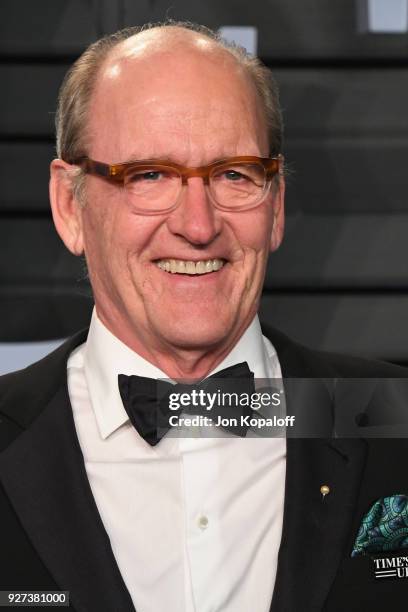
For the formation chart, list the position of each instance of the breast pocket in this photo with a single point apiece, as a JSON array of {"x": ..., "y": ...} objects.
[{"x": 356, "y": 587}]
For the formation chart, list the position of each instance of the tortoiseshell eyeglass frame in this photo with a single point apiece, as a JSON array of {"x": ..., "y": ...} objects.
[{"x": 117, "y": 172}]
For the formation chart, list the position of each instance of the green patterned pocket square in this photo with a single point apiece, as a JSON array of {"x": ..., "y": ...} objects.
[{"x": 384, "y": 527}]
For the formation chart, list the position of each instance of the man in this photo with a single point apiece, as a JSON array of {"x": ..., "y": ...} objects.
[{"x": 169, "y": 179}]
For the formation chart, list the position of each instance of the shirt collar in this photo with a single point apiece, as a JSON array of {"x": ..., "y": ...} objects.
[{"x": 105, "y": 356}]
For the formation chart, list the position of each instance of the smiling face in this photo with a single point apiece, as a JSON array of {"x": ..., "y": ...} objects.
[{"x": 191, "y": 105}]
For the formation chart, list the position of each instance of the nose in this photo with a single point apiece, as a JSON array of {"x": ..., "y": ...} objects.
[{"x": 195, "y": 219}]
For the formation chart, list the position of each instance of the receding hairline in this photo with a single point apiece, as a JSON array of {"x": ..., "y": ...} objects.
[
  {"x": 173, "y": 43},
  {"x": 176, "y": 34},
  {"x": 168, "y": 40}
]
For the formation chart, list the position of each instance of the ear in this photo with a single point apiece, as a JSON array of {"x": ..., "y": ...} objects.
[
  {"x": 66, "y": 211},
  {"x": 278, "y": 204}
]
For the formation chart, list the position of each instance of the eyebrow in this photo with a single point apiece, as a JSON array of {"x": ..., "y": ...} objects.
[
  {"x": 161, "y": 158},
  {"x": 136, "y": 158}
]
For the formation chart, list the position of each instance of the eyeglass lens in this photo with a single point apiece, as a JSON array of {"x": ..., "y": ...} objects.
[{"x": 235, "y": 186}]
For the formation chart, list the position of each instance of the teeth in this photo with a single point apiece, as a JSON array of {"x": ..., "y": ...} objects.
[{"x": 180, "y": 266}]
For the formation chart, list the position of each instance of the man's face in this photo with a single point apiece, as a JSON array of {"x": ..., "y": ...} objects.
[{"x": 191, "y": 108}]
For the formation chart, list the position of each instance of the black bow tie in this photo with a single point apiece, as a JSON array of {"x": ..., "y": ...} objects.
[{"x": 147, "y": 400}]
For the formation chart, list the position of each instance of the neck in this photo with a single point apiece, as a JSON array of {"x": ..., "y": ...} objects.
[{"x": 177, "y": 362}]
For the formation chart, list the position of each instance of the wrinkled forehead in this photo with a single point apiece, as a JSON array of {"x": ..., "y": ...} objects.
[{"x": 152, "y": 84}]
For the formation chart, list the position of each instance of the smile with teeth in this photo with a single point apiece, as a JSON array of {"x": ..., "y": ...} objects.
[{"x": 180, "y": 266}]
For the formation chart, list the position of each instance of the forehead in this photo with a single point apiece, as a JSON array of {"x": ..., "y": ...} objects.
[{"x": 155, "y": 96}]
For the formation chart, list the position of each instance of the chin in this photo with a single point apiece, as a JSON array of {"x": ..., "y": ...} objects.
[{"x": 196, "y": 333}]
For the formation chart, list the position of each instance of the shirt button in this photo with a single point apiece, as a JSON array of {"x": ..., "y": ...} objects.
[{"x": 203, "y": 522}]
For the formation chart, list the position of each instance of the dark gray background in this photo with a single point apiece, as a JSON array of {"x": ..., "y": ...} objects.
[{"x": 340, "y": 280}]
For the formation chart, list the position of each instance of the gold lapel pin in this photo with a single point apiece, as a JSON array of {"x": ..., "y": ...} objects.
[{"x": 324, "y": 490}]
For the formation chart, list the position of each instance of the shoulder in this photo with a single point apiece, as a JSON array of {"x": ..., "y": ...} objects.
[
  {"x": 298, "y": 360},
  {"x": 350, "y": 366},
  {"x": 25, "y": 393}
]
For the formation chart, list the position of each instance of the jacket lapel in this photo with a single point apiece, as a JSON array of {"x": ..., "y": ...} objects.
[
  {"x": 315, "y": 529},
  {"x": 44, "y": 476}
]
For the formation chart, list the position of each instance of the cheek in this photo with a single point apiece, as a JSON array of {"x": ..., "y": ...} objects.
[
  {"x": 97, "y": 238},
  {"x": 254, "y": 231},
  {"x": 102, "y": 237},
  {"x": 255, "y": 241},
  {"x": 118, "y": 243}
]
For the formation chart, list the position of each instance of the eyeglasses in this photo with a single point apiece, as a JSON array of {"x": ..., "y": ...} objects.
[{"x": 155, "y": 187}]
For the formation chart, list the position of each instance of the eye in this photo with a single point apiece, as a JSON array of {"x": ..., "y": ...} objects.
[
  {"x": 233, "y": 175},
  {"x": 147, "y": 176},
  {"x": 239, "y": 176}
]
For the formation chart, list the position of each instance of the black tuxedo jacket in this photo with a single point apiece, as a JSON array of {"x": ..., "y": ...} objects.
[{"x": 52, "y": 537}]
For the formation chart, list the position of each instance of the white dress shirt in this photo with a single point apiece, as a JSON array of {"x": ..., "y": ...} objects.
[{"x": 195, "y": 523}]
